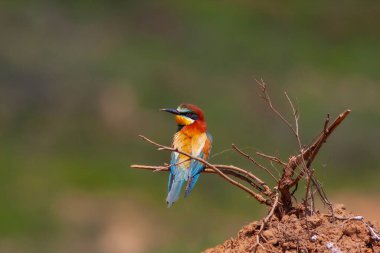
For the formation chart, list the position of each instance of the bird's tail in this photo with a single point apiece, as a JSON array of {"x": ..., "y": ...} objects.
[{"x": 176, "y": 185}]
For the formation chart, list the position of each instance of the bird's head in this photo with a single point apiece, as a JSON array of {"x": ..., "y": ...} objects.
[{"x": 186, "y": 114}]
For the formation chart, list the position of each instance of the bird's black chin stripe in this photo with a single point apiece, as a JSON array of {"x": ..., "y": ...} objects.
[{"x": 179, "y": 127}]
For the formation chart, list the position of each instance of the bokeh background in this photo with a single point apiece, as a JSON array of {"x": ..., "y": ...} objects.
[{"x": 79, "y": 80}]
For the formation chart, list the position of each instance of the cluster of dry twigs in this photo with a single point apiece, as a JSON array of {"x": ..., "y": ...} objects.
[{"x": 298, "y": 167}]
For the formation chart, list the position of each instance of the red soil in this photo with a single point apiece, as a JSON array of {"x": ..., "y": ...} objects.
[{"x": 316, "y": 233}]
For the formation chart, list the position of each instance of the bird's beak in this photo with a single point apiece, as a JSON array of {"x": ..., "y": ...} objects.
[{"x": 173, "y": 111}]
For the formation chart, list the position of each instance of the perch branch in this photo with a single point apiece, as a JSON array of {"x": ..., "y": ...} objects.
[
  {"x": 226, "y": 169},
  {"x": 257, "y": 196}
]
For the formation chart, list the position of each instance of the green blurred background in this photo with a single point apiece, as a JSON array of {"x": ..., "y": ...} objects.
[{"x": 79, "y": 80}]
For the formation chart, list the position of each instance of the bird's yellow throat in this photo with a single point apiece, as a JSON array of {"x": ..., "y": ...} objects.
[{"x": 184, "y": 121}]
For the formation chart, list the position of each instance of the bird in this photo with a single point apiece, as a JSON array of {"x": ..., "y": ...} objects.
[{"x": 191, "y": 137}]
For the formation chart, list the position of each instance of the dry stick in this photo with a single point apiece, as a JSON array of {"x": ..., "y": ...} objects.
[
  {"x": 275, "y": 168},
  {"x": 315, "y": 147},
  {"x": 286, "y": 178},
  {"x": 271, "y": 158},
  {"x": 304, "y": 166},
  {"x": 167, "y": 166},
  {"x": 267, "y": 98},
  {"x": 149, "y": 167},
  {"x": 267, "y": 190},
  {"x": 309, "y": 193},
  {"x": 316, "y": 183},
  {"x": 310, "y": 153},
  {"x": 326, "y": 132},
  {"x": 296, "y": 118},
  {"x": 250, "y": 182},
  {"x": 226, "y": 169},
  {"x": 253, "y": 161},
  {"x": 257, "y": 196},
  {"x": 319, "y": 141},
  {"x": 295, "y": 131},
  {"x": 265, "y": 221}
]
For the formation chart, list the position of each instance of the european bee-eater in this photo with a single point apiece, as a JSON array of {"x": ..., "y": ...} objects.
[{"x": 191, "y": 137}]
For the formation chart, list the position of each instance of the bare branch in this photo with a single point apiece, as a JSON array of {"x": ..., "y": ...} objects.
[
  {"x": 226, "y": 169},
  {"x": 313, "y": 150},
  {"x": 257, "y": 196},
  {"x": 254, "y": 161},
  {"x": 267, "y": 190},
  {"x": 148, "y": 167},
  {"x": 266, "y": 97},
  {"x": 272, "y": 158},
  {"x": 308, "y": 155},
  {"x": 265, "y": 221},
  {"x": 296, "y": 118}
]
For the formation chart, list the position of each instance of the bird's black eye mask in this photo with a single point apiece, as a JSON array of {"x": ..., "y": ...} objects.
[{"x": 190, "y": 115}]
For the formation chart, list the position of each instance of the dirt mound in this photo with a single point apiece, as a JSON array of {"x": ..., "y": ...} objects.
[{"x": 316, "y": 233}]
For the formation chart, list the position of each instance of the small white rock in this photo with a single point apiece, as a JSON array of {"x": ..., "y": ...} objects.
[
  {"x": 333, "y": 249},
  {"x": 313, "y": 238},
  {"x": 329, "y": 245}
]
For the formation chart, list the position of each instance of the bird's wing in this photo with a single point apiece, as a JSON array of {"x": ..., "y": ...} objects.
[
  {"x": 197, "y": 167},
  {"x": 207, "y": 147},
  {"x": 173, "y": 169}
]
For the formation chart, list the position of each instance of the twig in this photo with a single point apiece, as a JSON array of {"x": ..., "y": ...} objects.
[
  {"x": 271, "y": 158},
  {"x": 265, "y": 221},
  {"x": 253, "y": 161},
  {"x": 169, "y": 165},
  {"x": 304, "y": 167},
  {"x": 221, "y": 152},
  {"x": 248, "y": 174},
  {"x": 310, "y": 152},
  {"x": 309, "y": 194},
  {"x": 267, "y": 98},
  {"x": 313, "y": 150},
  {"x": 296, "y": 118}
]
